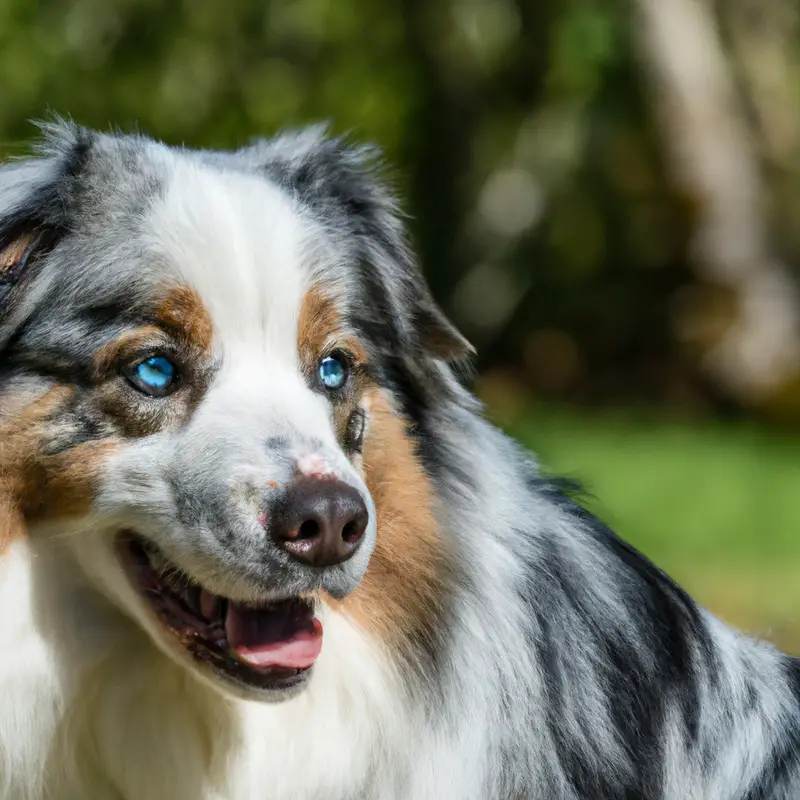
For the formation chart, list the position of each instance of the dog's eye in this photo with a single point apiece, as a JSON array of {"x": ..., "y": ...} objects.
[
  {"x": 156, "y": 376},
  {"x": 333, "y": 371}
]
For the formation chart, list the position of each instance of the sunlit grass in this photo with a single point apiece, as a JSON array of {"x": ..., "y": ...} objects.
[{"x": 718, "y": 507}]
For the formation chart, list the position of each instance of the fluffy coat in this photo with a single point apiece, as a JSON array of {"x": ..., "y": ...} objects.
[{"x": 491, "y": 641}]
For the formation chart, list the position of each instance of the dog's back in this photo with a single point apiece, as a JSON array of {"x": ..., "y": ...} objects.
[{"x": 192, "y": 342}]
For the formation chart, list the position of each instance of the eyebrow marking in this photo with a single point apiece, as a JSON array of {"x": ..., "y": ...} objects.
[
  {"x": 320, "y": 327},
  {"x": 184, "y": 312},
  {"x": 125, "y": 346}
]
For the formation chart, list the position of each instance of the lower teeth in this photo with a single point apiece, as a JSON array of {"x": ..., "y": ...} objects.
[{"x": 209, "y": 604}]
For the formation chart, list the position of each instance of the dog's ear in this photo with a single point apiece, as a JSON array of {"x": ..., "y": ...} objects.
[
  {"x": 14, "y": 256},
  {"x": 19, "y": 253},
  {"x": 439, "y": 335},
  {"x": 34, "y": 212},
  {"x": 341, "y": 179}
]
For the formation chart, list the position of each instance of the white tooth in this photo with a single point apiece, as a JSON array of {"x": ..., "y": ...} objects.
[{"x": 209, "y": 603}]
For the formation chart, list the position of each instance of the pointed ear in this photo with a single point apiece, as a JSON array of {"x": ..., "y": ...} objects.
[
  {"x": 20, "y": 254},
  {"x": 439, "y": 336},
  {"x": 13, "y": 256},
  {"x": 34, "y": 200},
  {"x": 17, "y": 251}
]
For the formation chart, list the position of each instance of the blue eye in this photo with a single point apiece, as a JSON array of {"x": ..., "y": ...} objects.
[
  {"x": 333, "y": 372},
  {"x": 156, "y": 376}
]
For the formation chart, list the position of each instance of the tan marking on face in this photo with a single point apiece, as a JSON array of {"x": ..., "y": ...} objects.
[
  {"x": 65, "y": 483},
  {"x": 407, "y": 577},
  {"x": 19, "y": 435},
  {"x": 126, "y": 347},
  {"x": 320, "y": 331},
  {"x": 35, "y": 486},
  {"x": 181, "y": 314},
  {"x": 11, "y": 254},
  {"x": 320, "y": 328},
  {"x": 12, "y": 523},
  {"x": 318, "y": 324},
  {"x": 184, "y": 312}
]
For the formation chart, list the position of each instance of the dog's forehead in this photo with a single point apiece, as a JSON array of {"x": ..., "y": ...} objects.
[{"x": 243, "y": 245}]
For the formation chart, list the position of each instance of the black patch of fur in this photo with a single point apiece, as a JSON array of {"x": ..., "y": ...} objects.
[{"x": 668, "y": 648}]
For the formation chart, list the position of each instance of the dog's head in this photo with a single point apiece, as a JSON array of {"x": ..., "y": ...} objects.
[{"x": 208, "y": 365}]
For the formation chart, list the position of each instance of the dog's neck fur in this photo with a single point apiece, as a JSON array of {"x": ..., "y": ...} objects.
[{"x": 91, "y": 707}]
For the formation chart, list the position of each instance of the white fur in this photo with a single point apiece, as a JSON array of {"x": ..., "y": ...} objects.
[
  {"x": 138, "y": 726},
  {"x": 131, "y": 724}
]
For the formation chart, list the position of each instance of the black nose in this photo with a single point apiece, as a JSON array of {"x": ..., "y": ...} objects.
[{"x": 319, "y": 522}]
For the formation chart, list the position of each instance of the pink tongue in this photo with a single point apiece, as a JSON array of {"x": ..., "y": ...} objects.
[{"x": 273, "y": 639}]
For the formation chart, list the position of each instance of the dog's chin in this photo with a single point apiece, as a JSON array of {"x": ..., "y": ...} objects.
[{"x": 262, "y": 651}]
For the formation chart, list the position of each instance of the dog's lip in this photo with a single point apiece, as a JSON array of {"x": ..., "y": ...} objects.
[{"x": 269, "y": 646}]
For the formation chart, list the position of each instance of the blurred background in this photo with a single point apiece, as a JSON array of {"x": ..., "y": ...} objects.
[{"x": 605, "y": 195}]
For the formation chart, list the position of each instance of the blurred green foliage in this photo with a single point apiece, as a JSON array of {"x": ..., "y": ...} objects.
[{"x": 517, "y": 130}]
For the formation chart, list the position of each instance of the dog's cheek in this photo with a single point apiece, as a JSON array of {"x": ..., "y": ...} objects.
[
  {"x": 44, "y": 473},
  {"x": 65, "y": 485},
  {"x": 24, "y": 422},
  {"x": 134, "y": 415},
  {"x": 398, "y": 611}
]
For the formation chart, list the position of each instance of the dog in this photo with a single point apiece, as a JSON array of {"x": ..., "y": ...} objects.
[{"x": 257, "y": 540}]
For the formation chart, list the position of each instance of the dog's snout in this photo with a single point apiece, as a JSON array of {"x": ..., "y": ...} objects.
[{"x": 319, "y": 522}]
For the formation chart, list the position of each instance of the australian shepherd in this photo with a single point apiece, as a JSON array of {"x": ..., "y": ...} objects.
[{"x": 257, "y": 541}]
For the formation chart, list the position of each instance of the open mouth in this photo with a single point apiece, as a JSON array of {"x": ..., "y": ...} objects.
[{"x": 269, "y": 646}]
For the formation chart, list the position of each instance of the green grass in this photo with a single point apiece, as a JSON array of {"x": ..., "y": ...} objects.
[{"x": 718, "y": 507}]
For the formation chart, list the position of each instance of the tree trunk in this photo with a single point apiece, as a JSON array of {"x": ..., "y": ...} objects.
[{"x": 712, "y": 161}]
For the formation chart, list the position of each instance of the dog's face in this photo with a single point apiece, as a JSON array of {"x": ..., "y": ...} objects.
[{"x": 208, "y": 366}]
